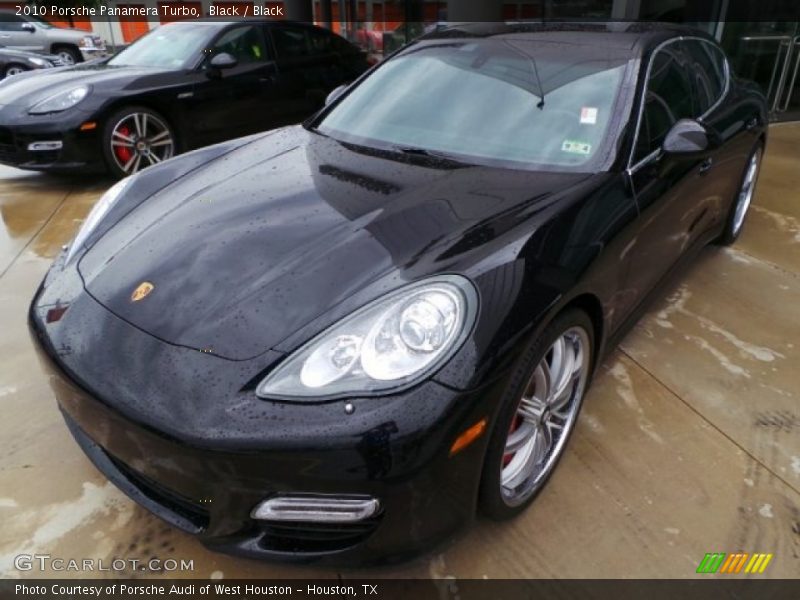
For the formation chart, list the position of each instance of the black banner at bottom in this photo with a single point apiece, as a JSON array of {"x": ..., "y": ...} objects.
[{"x": 415, "y": 589}]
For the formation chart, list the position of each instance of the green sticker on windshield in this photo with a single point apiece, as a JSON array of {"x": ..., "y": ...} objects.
[{"x": 575, "y": 147}]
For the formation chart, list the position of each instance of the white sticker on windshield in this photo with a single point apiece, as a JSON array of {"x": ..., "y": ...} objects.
[
  {"x": 588, "y": 115},
  {"x": 576, "y": 147}
]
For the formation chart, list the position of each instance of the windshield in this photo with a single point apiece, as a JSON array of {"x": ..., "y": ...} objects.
[
  {"x": 40, "y": 22},
  {"x": 174, "y": 46},
  {"x": 533, "y": 104}
]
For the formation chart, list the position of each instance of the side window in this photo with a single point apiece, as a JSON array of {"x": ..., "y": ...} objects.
[
  {"x": 244, "y": 43},
  {"x": 708, "y": 73},
  {"x": 10, "y": 22},
  {"x": 320, "y": 42},
  {"x": 290, "y": 42},
  {"x": 668, "y": 98},
  {"x": 341, "y": 45}
]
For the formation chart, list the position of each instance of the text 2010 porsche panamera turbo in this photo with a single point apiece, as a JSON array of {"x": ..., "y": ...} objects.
[{"x": 341, "y": 340}]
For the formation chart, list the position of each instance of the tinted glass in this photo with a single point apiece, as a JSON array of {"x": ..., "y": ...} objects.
[
  {"x": 243, "y": 43},
  {"x": 290, "y": 42},
  {"x": 176, "y": 46},
  {"x": 483, "y": 101},
  {"x": 320, "y": 42},
  {"x": 10, "y": 22},
  {"x": 668, "y": 99},
  {"x": 708, "y": 72}
]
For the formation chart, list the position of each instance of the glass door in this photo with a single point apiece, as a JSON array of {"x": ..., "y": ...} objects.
[{"x": 769, "y": 54}]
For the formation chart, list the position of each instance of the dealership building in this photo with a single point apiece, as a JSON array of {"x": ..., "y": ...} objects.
[{"x": 767, "y": 51}]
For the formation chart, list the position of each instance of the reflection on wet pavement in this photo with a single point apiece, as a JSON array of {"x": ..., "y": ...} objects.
[{"x": 689, "y": 441}]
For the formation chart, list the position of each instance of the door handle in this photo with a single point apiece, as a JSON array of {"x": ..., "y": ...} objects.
[{"x": 706, "y": 165}]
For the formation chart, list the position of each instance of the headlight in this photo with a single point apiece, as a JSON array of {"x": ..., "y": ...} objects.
[
  {"x": 86, "y": 42},
  {"x": 96, "y": 215},
  {"x": 391, "y": 343},
  {"x": 39, "y": 62},
  {"x": 60, "y": 101}
]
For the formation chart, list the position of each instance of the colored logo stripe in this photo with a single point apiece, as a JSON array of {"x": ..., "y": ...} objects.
[
  {"x": 711, "y": 562},
  {"x": 734, "y": 563}
]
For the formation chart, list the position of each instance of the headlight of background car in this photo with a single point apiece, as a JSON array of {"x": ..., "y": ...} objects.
[
  {"x": 390, "y": 343},
  {"x": 86, "y": 42},
  {"x": 61, "y": 101},
  {"x": 39, "y": 62},
  {"x": 97, "y": 213}
]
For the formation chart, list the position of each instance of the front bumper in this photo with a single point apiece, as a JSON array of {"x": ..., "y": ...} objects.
[
  {"x": 80, "y": 150},
  {"x": 202, "y": 460},
  {"x": 94, "y": 53}
]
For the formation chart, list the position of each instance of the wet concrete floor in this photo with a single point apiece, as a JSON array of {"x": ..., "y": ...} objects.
[{"x": 689, "y": 441}]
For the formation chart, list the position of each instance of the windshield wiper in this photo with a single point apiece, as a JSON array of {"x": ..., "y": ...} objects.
[
  {"x": 425, "y": 152},
  {"x": 534, "y": 70}
]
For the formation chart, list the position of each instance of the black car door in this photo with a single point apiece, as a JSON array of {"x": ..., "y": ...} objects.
[
  {"x": 229, "y": 103},
  {"x": 671, "y": 193},
  {"x": 710, "y": 77}
]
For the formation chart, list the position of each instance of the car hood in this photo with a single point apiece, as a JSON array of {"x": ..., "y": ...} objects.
[
  {"x": 265, "y": 239},
  {"x": 27, "y": 90},
  {"x": 9, "y": 53}
]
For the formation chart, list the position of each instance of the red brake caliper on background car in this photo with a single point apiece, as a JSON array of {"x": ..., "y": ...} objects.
[{"x": 124, "y": 153}]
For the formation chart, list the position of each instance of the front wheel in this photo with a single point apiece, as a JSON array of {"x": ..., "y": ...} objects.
[
  {"x": 538, "y": 414},
  {"x": 12, "y": 70},
  {"x": 135, "y": 138},
  {"x": 741, "y": 203},
  {"x": 69, "y": 56}
]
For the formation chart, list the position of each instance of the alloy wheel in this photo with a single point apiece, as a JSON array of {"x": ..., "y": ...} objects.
[
  {"x": 746, "y": 193},
  {"x": 139, "y": 140},
  {"x": 66, "y": 57},
  {"x": 545, "y": 416},
  {"x": 14, "y": 71}
]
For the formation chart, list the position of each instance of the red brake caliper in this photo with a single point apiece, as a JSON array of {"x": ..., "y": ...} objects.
[
  {"x": 124, "y": 154},
  {"x": 515, "y": 423}
]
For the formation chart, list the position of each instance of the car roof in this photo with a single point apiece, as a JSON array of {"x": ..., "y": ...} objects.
[
  {"x": 224, "y": 21},
  {"x": 634, "y": 38}
]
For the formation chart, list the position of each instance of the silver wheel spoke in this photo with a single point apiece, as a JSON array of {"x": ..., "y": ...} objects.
[
  {"x": 542, "y": 441},
  {"x": 137, "y": 125},
  {"x": 158, "y": 136},
  {"x": 123, "y": 137},
  {"x": 518, "y": 438},
  {"x": 162, "y": 143},
  {"x": 127, "y": 166}
]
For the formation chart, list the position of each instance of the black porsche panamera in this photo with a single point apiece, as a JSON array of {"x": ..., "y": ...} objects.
[
  {"x": 342, "y": 340},
  {"x": 180, "y": 87}
]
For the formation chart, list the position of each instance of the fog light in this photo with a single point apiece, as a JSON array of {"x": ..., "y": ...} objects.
[
  {"x": 44, "y": 146},
  {"x": 317, "y": 509}
]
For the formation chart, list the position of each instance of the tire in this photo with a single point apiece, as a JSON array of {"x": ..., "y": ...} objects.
[
  {"x": 69, "y": 55},
  {"x": 13, "y": 69},
  {"x": 505, "y": 488},
  {"x": 741, "y": 202},
  {"x": 136, "y": 137}
]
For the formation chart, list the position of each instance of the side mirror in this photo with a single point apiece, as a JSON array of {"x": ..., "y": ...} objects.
[
  {"x": 29, "y": 27},
  {"x": 335, "y": 94},
  {"x": 687, "y": 139},
  {"x": 223, "y": 61}
]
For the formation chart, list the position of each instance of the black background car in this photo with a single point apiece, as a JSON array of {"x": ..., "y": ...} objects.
[
  {"x": 341, "y": 340},
  {"x": 182, "y": 86},
  {"x": 14, "y": 62}
]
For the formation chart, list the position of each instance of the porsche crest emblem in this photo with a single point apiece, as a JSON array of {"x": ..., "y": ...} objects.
[{"x": 142, "y": 291}]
